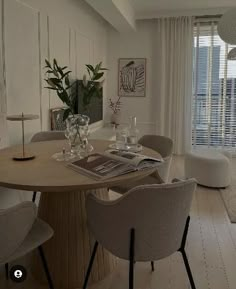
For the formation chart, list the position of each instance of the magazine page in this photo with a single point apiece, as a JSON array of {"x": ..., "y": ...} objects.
[
  {"x": 100, "y": 166},
  {"x": 137, "y": 160}
]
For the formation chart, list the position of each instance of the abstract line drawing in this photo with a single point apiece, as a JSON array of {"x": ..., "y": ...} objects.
[{"x": 132, "y": 77}]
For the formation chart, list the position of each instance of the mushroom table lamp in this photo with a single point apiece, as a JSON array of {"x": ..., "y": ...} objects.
[
  {"x": 227, "y": 31},
  {"x": 24, "y": 156}
]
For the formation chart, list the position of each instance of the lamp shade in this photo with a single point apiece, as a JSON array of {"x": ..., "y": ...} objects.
[
  {"x": 227, "y": 27},
  {"x": 232, "y": 54}
]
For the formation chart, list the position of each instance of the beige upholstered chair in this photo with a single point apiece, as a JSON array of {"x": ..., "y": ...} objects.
[
  {"x": 162, "y": 145},
  {"x": 148, "y": 223},
  {"x": 47, "y": 136},
  {"x": 20, "y": 233}
]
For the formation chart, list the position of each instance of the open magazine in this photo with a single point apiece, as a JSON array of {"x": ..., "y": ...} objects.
[{"x": 113, "y": 163}]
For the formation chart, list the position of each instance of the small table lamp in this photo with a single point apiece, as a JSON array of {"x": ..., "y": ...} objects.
[
  {"x": 227, "y": 31},
  {"x": 22, "y": 117}
]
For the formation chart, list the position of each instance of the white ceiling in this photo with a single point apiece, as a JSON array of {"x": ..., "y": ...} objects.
[
  {"x": 153, "y": 8},
  {"x": 119, "y": 13}
]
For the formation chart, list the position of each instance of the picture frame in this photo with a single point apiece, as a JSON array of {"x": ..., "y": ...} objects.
[
  {"x": 56, "y": 118},
  {"x": 132, "y": 77}
]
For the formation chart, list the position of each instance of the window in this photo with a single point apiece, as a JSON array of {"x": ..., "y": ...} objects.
[{"x": 214, "y": 91}]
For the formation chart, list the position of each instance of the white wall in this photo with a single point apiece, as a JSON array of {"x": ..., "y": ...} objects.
[
  {"x": 139, "y": 44},
  {"x": 68, "y": 30},
  {"x": 33, "y": 30}
]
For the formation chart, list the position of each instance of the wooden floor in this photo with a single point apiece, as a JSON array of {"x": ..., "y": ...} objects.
[{"x": 211, "y": 248}]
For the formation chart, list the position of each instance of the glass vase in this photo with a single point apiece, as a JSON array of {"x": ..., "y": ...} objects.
[{"x": 77, "y": 130}]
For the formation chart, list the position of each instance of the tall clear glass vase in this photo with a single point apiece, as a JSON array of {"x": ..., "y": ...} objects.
[{"x": 77, "y": 131}]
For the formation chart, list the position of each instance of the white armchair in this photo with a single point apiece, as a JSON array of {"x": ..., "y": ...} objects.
[
  {"x": 164, "y": 146},
  {"x": 47, "y": 136},
  {"x": 148, "y": 223},
  {"x": 20, "y": 233}
]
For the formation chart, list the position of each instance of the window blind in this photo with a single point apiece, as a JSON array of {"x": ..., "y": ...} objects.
[{"x": 214, "y": 90}]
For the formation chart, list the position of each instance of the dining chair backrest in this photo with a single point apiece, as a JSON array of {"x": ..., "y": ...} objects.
[
  {"x": 164, "y": 146},
  {"x": 157, "y": 213},
  {"x": 15, "y": 224},
  {"x": 48, "y": 135},
  {"x": 161, "y": 144}
]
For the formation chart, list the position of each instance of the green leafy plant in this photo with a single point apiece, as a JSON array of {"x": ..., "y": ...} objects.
[
  {"x": 59, "y": 81},
  {"x": 92, "y": 87}
]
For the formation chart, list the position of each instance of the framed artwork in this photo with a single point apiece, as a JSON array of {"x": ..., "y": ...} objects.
[
  {"x": 132, "y": 77},
  {"x": 56, "y": 116}
]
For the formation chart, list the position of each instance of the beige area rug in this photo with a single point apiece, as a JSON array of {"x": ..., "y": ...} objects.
[{"x": 229, "y": 197}]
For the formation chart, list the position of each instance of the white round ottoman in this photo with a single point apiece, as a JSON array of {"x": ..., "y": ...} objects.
[{"x": 210, "y": 168}]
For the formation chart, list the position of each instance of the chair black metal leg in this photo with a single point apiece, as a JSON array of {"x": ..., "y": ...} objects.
[
  {"x": 182, "y": 250},
  {"x": 34, "y": 197},
  {"x": 152, "y": 265},
  {"x": 190, "y": 276},
  {"x": 185, "y": 234},
  {"x": 45, "y": 266},
  {"x": 7, "y": 270},
  {"x": 90, "y": 265},
  {"x": 131, "y": 259}
]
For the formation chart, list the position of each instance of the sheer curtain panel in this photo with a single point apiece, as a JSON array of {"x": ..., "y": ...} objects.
[{"x": 173, "y": 75}]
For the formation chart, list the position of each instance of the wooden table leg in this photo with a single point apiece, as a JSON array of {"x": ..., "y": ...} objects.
[{"x": 69, "y": 251}]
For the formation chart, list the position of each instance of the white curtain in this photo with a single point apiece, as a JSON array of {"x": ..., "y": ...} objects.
[{"x": 173, "y": 80}]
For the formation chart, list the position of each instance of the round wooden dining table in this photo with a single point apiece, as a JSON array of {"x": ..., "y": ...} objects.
[{"x": 62, "y": 206}]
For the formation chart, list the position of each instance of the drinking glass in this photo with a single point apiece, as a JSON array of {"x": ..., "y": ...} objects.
[
  {"x": 121, "y": 138},
  {"x": 63, "y": 156},
  {"x": 85, "y": 148},
  {"x": 132, "y": 133}
]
